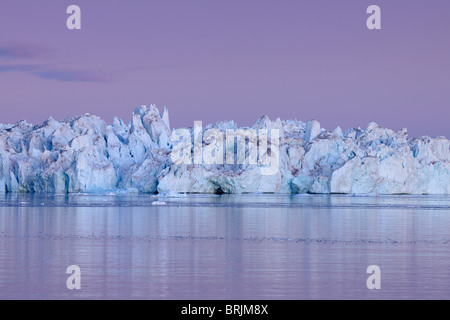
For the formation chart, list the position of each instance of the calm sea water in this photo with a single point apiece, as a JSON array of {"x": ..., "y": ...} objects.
[{"x": 224, "y": 247}]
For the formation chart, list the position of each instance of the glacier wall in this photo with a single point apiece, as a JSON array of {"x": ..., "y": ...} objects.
[{"x": 84, "y": 154}]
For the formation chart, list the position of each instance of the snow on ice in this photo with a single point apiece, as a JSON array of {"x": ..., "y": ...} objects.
[{"x": 84, "y": 154}]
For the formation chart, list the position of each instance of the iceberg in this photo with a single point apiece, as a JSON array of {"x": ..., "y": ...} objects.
[{"x": 86, "y": 155}]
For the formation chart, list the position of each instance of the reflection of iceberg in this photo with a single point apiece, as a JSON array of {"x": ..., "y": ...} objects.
[{"x": 85, "y": 155}]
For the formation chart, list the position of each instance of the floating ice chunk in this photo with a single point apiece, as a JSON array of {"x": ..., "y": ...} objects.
[{"x": 159, "y": 203}]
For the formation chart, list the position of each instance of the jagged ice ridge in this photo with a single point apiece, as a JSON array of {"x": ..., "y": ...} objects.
[{"x": 84, "y": 154}]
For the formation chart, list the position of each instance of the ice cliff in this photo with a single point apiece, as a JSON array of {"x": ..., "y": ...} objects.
[{"x": 84, "y": 154}]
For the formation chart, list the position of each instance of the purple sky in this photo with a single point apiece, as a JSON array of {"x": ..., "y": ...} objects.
[{"x": 214, "y": 60}]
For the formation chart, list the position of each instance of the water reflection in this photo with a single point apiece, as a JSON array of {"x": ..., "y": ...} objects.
[{"x": 227, "y": 248}]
